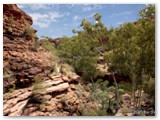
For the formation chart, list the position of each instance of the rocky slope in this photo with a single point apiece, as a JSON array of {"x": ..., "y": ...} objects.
[
  {"x": 31, "y": 87},
  {"x": 35, "y": 83}
]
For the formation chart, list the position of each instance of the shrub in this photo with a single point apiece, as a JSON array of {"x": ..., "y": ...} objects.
[
  {"x": 125, "y": 86},
  {"x": 10, "y": 90},
  {"x": 50, "y": 47},
  {"x": 37, "y": 89},
  {"x": 121, "y": 92},
  {"x": 56, "y": 69},
  {"x": 100, "y": 96},
  {"x": 29, "y": 33},
  {"x": 66, "y": 69},
  {"x": 112, "y": 89},
  {"x": 35, "y": 47},
  {"x": 10, "y": 30},
  {"x": 38, "y": 86},
  {"x": 36, "y": 44}
]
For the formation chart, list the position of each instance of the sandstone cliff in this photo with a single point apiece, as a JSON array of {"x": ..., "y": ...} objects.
[{"x": 31, "y": 87}]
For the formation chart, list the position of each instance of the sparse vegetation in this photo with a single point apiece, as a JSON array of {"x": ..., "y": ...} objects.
[
  {"x": 116, "y": 68},
  {"x": 37, "y": 89},
  {"x": 50, "y": 47},
  {"x": 29, "y": 33},
  {"x": 127, "y": 50}
]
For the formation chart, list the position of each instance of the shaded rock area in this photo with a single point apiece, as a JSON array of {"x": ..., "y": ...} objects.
[
  {"x": 141, "y": 106},
  {"x": 103, "y": 68},
  {"x": 36, "y": 83},
  {"x": 32, "y": 86},
  {"x": 21, "y": 64}
]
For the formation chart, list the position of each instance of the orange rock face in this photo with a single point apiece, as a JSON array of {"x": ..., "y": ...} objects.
[
  {"x": 53, "y": 95},
  {"x": 15, "y": 21},
  {"x": 20, "y": 63}
]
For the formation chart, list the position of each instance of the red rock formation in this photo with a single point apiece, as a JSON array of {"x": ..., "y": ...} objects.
[
  {"x": 22, "y": 62},
  {"x": 15, "y": 21}
]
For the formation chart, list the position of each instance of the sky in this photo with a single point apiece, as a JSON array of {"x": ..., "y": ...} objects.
[{"x": 58, "y": 20}]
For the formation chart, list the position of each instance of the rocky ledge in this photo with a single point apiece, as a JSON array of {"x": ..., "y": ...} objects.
[{"x": 35, "y": 83}]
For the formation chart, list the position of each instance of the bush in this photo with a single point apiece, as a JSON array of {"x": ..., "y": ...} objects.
[
  {"x": 38, "y": 86},
  {"x": 50, "y": 47},
  {"x": 37, "y": 89},
  {"x": 36, "y": 44},
  {"x": 112, "y": 89},
  {"x": 10, "y": 30},
  {"x": 86, "y": 67},
  {"x": 67, "y": 69},
  {"x": 29, "y": 33},
  {"x": 121, "y": 92},
  {"x": 100, "y": 96},
  {"x": 149, "y": 87},
  {"x": 125, "y": 86},
  {"x": 56, "y": 69},
  {"x": 35, "y": 47},
  {"x": 10, "y": 90}
]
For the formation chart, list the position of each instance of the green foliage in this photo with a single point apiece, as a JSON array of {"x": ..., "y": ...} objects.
[
  {"x": 133, "y": 47},
  {"x": 11, "y": 21},
  {"x": 29, "y": 33},
  {"x": 8, "y": 76},
  {"x": 67, "y": 69},
  {"x": 35, "y": 47},
  {"x": 36, "y": 44},
  {"x": 149, "y": 86},
  {"x": 97, "y": 17},
  {"x": 50, "y": 47},
  {"x": 100, "y": 95},
  {"x": 148, "y": 12},
  {"x": 81, "y": 51},
  {"x": 125, "y": 86},
  {"x": 121, "y": 91},
  {"x": 10, "y": 30},
  {"x": 10, "y": 90},
  {"x": 128, "y": 50},
  {"x": 112, "y": 89},
  {"x": 95, "y": 111},
  {"x": 37, "y": 86},
  {"x": 87, "y": 67},
  {"x": 56, "y": 69}
]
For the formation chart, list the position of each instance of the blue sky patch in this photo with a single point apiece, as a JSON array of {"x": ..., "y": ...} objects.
[{"x": 57, "y": 20}]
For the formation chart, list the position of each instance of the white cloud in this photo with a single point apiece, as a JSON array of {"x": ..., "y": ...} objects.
[
  {"x": 38, "y": 6},
  {"x": 76, "y": 17},
  {"x": 21, "y": 6},
  {"x": 66, "y": 24},
  {"x": 124, "y": 13},
  {"x": 121, "y": 14},
  {"x": 87, "y": 9},
  {"x": 44, "y": 20},
  {"x": 71, "y": 6},
  {"x": 67, "y": 14}
]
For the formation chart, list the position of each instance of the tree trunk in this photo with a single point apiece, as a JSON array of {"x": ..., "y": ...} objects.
[
  {"x": 115, "y": 81},
  {"x": 117, "y": 93}
]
